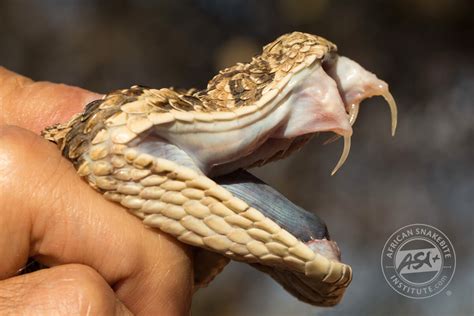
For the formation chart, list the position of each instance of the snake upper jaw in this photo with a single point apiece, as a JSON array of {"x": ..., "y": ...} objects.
[{"x": 355, "y": 84}]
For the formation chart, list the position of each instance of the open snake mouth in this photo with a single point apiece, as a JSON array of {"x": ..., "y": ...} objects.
[
  {"x": 321, "y": 99},
  {"x": 353, "y": 84},
  {"x": 177, "y": 159}
]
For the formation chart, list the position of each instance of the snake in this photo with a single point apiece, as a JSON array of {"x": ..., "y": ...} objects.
[{"x": 178, "y": 159}]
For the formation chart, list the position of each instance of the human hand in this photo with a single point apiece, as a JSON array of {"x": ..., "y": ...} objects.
[{"x": 103, "y": 259}]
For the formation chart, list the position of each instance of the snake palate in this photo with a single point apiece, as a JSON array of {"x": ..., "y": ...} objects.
[{"x": 177, "y": 159}]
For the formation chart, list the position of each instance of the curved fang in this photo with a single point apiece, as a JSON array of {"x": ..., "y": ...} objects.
[
  {"x": 393, "y": 109},
  {"x": 345, "y": 153},
  {"x": 353, "y": 112}
]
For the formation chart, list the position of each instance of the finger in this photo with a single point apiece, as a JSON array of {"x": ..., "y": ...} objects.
[
  {"x": 68, "y": 290},
  {"x": 35, "y": 105},
  {"x": 50, "y": 213}
]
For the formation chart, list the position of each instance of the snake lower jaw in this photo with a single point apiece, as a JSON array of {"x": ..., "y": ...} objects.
[
  {"x": 324, "y": 277},
  {"x": 266, "y": 228}
]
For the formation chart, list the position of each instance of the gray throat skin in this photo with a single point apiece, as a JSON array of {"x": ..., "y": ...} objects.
[
  {"x": 305, "y": 226},
  {"x": 302, "y": 224}
]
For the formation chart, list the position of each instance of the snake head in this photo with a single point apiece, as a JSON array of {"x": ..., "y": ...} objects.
[
  {"x": 172, "y": 157},
  {"x": 312, "y": 90}
]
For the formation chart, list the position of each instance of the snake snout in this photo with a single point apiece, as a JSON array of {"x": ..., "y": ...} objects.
[{"x": 355, "y": 84}]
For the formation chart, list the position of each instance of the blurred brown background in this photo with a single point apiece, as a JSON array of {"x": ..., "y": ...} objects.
[{"x": 423, "y": 48}]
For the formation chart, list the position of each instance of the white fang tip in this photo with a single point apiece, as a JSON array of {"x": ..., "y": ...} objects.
[{"x": 345, "y": 153}]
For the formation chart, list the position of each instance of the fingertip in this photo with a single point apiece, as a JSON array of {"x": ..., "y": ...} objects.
[
  {"x": 36, "y": 105},
  {"x": 46, "y": 103}
]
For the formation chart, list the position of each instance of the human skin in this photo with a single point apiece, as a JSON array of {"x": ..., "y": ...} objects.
[{"x": 103, "y": 260}]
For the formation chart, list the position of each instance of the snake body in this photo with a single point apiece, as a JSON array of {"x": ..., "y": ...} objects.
[{"x": 171, "y": 157}]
